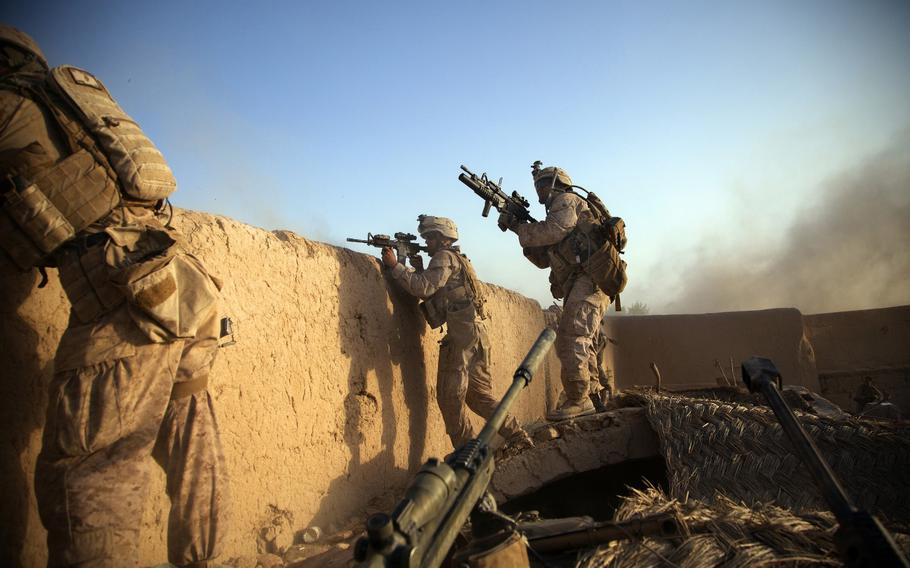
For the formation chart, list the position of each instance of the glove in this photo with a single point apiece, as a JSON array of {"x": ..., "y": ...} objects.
[
  {"x": 416, "y": 262},
  {"x": 388, "y": 257},
  {"x": 507, "y": 221}
]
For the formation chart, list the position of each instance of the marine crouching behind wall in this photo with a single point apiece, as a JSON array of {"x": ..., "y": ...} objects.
[
  {"x": 82, "y": 190},
  {"x": 454, "y": 296}
]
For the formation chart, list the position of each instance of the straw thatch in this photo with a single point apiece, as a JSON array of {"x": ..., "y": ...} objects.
[
  {"x": 736, "y": 448},
  {"x": 723, "y": 533}
]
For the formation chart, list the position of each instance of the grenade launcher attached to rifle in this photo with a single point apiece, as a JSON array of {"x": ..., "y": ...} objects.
[
  {"x": 493, "y": 196},
  {"x": 421, "y": 529},
  {"x": 861, "y": 539},
  {"x": 403, "y": 243}
]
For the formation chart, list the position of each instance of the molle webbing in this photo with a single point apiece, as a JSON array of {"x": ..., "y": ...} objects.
[{"x": 141, "y": 168}]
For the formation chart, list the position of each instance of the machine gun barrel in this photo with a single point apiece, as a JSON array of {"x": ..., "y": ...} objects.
[
  {"x": 861, "y": 539},
  {"x": 422, "y": 528}
]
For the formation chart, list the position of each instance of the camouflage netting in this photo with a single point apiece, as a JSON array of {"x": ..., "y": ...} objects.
[
  {"x": 723, "y": 533},
  {"x": 737, "y": 448}
]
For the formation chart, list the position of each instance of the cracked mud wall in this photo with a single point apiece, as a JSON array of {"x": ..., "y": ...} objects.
[
  {"x": 326, "y": 401},
  {"x": 684, "y": 347},
  {"x": 850, "y": 346}
]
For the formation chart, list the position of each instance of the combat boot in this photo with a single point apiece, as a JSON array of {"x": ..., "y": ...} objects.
[{"x": 571, "y": 409}]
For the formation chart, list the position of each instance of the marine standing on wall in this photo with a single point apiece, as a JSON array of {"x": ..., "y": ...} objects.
[
  {"x": 82, "y": 191},
  {"x": 563, "y": 242},
  {"x": 453, "y": 295}
]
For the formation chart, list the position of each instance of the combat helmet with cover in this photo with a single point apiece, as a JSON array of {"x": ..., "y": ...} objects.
[
  {"x": 443, "y": 225},
  {"x": 16, "y": 38}
]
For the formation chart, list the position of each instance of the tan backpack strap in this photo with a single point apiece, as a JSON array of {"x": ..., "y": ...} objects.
[{"x": 471, "y": 281}]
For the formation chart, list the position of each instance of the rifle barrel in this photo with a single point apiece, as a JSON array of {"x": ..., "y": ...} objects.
[
  {"x": 759, "y": 375},
  {"x": 861, "y": 538},
  {"x": 522, "y": 378}
]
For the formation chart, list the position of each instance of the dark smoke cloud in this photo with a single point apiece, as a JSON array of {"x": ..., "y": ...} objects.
[{"x": 848, "y": 250}]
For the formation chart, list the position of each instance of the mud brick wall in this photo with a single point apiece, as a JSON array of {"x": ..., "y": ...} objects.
[
  {"x": 684, "y": 347},
  {"x": 850, "y": 346},
  {"x": 326, "y": 401}
]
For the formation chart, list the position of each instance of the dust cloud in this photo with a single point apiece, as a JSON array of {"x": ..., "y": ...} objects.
[{"x": 848, "y": 249}]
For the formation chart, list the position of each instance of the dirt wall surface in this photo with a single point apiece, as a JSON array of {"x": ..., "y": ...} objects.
[
  {"x": 686, "y": 346},
  {"x": 850, "y": 346},
  {"x": 326, "y": 401}
]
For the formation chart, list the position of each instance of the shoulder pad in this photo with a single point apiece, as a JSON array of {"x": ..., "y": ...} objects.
[
  {"x": 562, "y": 200},
  {"x": 445, "y": 257}
]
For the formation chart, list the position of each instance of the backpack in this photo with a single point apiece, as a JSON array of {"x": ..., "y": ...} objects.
[{"x": 606, "y": 235}]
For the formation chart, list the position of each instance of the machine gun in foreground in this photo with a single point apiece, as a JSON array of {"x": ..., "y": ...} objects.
[
  {"x": 421, "y": 529},
  {"x": 860, "y": 538},
  {"x": 405, "y": 244},
  {"x": 493, "y": 196}
]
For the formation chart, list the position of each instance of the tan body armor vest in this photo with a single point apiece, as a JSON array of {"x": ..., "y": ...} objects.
[
  {"x": 462, "y": 290},
  {"x": 111, "y": 161}
]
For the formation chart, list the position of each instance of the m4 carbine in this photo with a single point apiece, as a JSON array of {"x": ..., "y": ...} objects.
[
  {"x": 403, "y": 243},
  {"x": 493, "y": 196},
  {"x": 860, "y": 538},
  {"x": 421, "y": 529}
]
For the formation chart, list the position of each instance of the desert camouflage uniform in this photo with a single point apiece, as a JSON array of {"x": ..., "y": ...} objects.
[
  {"x": 117, "y": 397},
  {"x": 584, "y": 304},
  {"x": 463, "y": 375}
]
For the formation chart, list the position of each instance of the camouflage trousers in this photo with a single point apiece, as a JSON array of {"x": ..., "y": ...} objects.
[
  {"x": 110, "y": 410},
  {"x": 463, "y": 377},
  {"x": 579, "y": 323}
]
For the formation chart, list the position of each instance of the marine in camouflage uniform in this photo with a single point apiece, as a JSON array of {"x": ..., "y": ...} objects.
[
  {"x": 128, "y": 386},
  {"x": 452, "y": 296},
  {"x": 549, "y": 244}
]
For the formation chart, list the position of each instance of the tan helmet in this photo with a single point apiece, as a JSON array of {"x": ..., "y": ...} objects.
[
  {"x": 18, "y": 38},
  {"x": 547, "y": 177},
  {"x": 442, "y": 225}
]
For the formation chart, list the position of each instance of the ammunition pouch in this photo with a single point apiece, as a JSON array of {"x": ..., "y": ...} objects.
[
  {"x": 432, "y": 312},
  {"x": 170, "y": 295},
  {"x": 537, "y": 255},
  {"x": 556, "y": 289},
  {"x": 60, "y": 202},
  {"x": 85, "y": 277}
]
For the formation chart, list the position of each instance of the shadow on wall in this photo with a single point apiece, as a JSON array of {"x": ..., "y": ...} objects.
[
  {"x": 22, "y": 400},
  {"x": 376, "y": 338}
]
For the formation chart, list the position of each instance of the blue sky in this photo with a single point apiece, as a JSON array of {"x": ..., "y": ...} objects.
[{"x": 706, "y": 125}]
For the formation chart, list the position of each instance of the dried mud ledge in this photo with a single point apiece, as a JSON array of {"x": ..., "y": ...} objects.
[{"x": 328, "y": 398}]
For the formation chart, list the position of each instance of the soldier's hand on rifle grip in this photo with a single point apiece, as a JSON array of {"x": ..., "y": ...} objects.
[
  {"x": 507, "y": 221},
  {"x": 416, "y": 262},
  {"x": 389, "y": 258}
]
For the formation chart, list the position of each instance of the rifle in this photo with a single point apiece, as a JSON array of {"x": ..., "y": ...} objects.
[
  {"x": 403, "y": 243},
  {"x": 861, "y": 539},
  {"x": 436, "y": 505},
  {"x": 493, "y": 196},
  {"x": 569, "y": 534}
]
